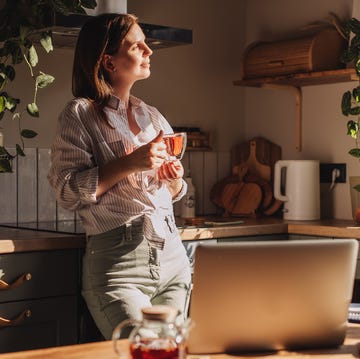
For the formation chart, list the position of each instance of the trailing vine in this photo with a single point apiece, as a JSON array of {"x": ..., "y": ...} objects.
[
  {"x": 350, "y": 103},
  {"x": 23, "y": 24}
]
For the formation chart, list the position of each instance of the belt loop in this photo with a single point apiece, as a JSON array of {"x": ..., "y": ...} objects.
[{"x": 128, "y": 231}]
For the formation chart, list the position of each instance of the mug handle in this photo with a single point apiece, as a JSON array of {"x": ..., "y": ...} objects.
[{"x": 116, "y": 336}]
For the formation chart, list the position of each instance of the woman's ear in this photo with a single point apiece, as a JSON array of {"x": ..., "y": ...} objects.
[{"x": 108, "y": 64}]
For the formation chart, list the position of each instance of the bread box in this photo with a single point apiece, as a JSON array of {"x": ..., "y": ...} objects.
[{"x": 316, "y": 52}]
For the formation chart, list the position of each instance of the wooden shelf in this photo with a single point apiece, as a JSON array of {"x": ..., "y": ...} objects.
[
  {"x": 294, "y": 82},
  {"x": 302, "y": 79},
  {"x": 198, "y": 149}
]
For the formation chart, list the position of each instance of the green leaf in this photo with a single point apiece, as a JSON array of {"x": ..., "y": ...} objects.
[
  {"x": 13, "y": 48},
  {"x": 346, "y": 103},
  {"x": 28, "y": 133},
  {"x": 354, "y": 111},
  {"x": 354, "y": 25},
  {"x": 2, "y": 103},
  {"x": 89, "y": 4},
  {"x": 352, "y": 128},
  {"x": 32, "y": 109},
  {"x": 357, "y": 66},
  {"x": 19, "y": 150},
  {"x": 46, "y": 41},
  {"x": 356, "y": 94},
  {"x": 5, "y": 165},
  {"x": 347, "y": 56},
  {"x": 355, "y": 152},
  {"x": 10, "y": 72},
  {"x": 11, "y": 104},
  {"x": 2, "y": 80},
  {"x": 357, "y": 187},
  {"x": 32, "y": 56},
  {"x": 44, "y": 80}
]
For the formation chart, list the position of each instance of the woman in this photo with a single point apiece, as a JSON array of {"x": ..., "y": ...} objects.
[{"x": 108, "y": 164}]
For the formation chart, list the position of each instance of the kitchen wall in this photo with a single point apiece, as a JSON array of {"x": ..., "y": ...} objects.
[
  {"x": 272, "y": 113},
  {"x": 192, "y": 86}
]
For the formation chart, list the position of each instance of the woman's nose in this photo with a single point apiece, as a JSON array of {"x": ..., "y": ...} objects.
[{"x": 148, "y": 51}]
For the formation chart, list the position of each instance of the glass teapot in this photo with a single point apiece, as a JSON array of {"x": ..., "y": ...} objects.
[{"x": 157, "y": 336}]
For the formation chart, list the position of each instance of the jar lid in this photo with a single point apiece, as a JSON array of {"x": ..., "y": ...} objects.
[{"x": 164, "y": 313}]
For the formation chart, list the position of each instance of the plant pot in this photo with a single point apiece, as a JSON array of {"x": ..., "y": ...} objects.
[{"x": 355, "y": 198}]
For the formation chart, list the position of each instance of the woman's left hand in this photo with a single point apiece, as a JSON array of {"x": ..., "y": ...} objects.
[{"x": 172, "y": 170}]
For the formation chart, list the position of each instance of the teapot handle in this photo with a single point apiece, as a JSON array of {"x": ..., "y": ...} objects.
[{"x": 116, "y": 336}]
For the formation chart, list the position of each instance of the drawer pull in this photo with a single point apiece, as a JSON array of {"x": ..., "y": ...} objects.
[
  {"x": 18, "y": 320},
  {"x": 24, "y": 277}
]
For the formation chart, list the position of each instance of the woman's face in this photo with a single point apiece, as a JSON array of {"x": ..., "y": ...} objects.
[{"x": 132, "y": 61}]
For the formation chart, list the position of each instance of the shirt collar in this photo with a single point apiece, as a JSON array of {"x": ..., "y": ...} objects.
[{"x": 117, "y": 104}]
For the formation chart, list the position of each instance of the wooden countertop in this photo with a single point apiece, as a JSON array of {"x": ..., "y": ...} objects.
[
  {"x": 104, "y": 350},
  {"x": 25, "y": 240},
  {"x": 263, "y": 226}
]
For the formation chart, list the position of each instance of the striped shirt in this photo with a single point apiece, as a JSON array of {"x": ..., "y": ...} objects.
[{"x": 83, "y": 142}]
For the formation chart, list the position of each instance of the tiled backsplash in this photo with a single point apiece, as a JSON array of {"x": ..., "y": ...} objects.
[
  {"x": 28, "y": 200},
  {"x": 206, "y": 169}
]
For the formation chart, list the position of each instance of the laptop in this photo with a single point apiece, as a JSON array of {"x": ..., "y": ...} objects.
[{"x": 273, "y": 295}]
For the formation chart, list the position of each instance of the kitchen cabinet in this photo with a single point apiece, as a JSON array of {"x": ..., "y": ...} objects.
[
  {"x": 294, "y": 82},
  {"x": 39, "y": 299}
]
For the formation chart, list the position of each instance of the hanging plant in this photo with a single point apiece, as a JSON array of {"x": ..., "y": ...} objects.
[
  {"x": 23, "y": 23},
  {"x": 350, "y": 103}
]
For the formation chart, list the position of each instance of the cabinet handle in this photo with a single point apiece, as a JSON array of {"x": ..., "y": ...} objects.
[
  {"x": 18, "y": 320},
  {"x": 24, "y": 277}
]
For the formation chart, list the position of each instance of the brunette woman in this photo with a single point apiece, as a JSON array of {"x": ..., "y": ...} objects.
[{"x": 108, "y": 165}]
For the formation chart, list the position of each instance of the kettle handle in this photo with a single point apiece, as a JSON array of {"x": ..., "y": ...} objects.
[
  {"x": 116, "y": 336},
  {"x": 277, "y": 180}
]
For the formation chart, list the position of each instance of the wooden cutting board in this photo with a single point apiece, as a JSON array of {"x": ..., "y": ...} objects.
[{"x": 259, "y": 155}]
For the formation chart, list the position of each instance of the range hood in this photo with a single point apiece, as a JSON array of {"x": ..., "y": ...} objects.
[{"x": 65, "y": 30}]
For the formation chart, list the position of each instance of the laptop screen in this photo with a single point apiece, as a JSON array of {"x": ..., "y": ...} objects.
[{"x": 256, "y": 296}]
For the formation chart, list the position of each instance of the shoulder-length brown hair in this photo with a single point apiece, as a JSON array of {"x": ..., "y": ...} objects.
[{"x": 102, "y": 34}]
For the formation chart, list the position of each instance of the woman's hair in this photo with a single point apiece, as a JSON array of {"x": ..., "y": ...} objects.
[{"x": 102, "y": 34}]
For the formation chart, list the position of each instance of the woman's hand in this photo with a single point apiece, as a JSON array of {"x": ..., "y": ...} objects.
[
  {"x": 171, "y": 173},
  {"x": 149, "y": 156},
  {"x": 171, "y": 170}
]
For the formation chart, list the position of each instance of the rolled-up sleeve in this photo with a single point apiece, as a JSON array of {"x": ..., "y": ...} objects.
[{"x": 73, "y": 173}]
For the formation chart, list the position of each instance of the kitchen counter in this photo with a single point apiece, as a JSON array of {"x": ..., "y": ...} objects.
[
  {"x": 104, "y": 350},
  {"x": 264, "y": 226},
  {"x": 24, "y": 240}
]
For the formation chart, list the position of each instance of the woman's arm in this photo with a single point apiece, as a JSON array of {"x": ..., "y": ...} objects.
[{"x": 146, "y": 157}]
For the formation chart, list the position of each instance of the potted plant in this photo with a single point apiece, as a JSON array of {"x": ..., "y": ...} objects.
[
  {"x": 23, "y": 24},
  {"x": 350, "y": 105}
]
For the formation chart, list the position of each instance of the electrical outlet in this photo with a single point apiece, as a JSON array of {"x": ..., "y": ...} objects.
[{"x": 326, "y": 172}]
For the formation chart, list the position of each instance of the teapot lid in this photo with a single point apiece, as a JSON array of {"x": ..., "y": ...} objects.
[{"x": 163, "y": 313}]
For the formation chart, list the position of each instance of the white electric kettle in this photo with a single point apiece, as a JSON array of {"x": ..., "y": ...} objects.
[{"x": 300, "y": 181}]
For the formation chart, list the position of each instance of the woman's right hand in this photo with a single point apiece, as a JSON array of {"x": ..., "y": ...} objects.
[{"x": 149, "y": 156}]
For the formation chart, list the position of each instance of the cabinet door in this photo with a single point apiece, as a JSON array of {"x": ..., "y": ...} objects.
[
  {"x": 40, "y": 274},
  {"x": 38, "y": 323}
]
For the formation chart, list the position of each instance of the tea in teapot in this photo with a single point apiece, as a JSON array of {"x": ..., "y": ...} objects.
[{"x": 157, "y": 336}]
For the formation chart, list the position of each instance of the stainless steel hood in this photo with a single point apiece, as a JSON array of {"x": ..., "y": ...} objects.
[{"x": 65, "y": 30}]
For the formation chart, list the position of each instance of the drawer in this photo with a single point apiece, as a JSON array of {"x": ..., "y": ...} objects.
[
  {"x": 40, "y": 274},
  {"x": 50, "y": 322}
]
